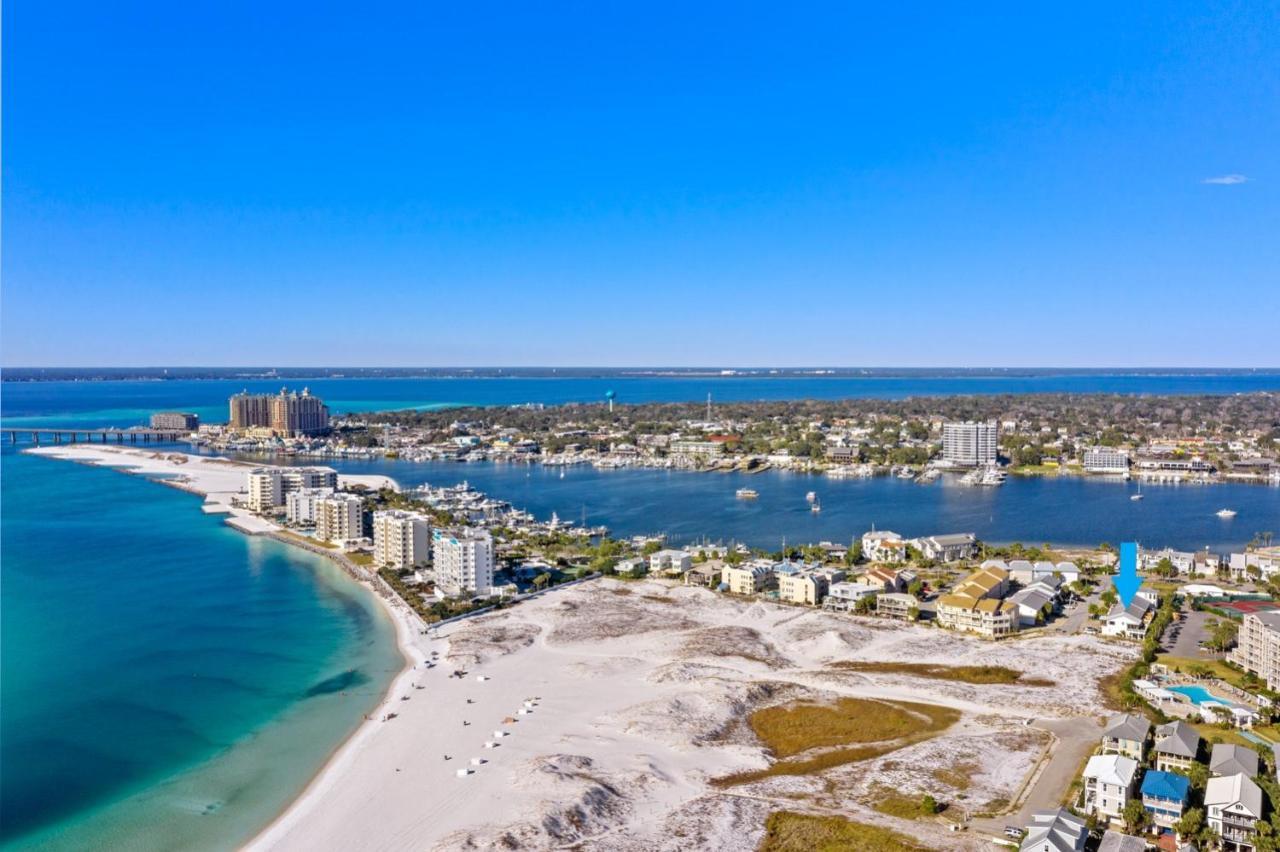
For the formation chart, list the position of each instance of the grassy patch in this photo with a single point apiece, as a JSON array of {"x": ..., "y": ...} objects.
[
  {"x": 850, "y": 730},
  {"x": 1216, "y": 668},
  {"x": 361, "y": 558},
  {"x": 936, "y": 671},
  {"x": 785, "y": 831},
  {"x": 958, "y": 776},
  {"x": 889, "y": 801},
  {"x": 790, "y": 729}
]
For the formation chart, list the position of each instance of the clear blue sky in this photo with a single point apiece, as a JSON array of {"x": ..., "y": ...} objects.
[{"x": 553, "y": 184}]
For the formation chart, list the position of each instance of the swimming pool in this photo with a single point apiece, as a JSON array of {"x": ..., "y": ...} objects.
[{"x": 1199, "y": 695}]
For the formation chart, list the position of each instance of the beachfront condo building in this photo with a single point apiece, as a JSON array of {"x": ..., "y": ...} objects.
[
  {"x": 463, "y": 562},
  {"x": 181, "y": 420},
  {"x": 970, "y": 444},
  {"x": 400, "y": 539},
  {"x": 270, "y": 486},
  {"x": 339, "y": 518},
  {"x": 300, "y": 505},
  {"x": 1258, "y": 646},
  {"x": 286, "y": 414}
]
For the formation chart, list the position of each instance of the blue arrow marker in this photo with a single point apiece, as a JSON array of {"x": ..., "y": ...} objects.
[{"x": 1127, "y": 581}]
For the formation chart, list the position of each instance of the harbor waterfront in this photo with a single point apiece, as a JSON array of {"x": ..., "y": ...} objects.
[
  {"x": 168, "y": 681},
  {"x": 689, "y": 506}
]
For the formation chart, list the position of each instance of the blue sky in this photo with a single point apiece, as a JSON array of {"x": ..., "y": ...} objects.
[{"x": 608, "y": 184}]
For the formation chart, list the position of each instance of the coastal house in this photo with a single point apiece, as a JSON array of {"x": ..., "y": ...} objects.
[
  {"x": 1109, "y": 785},
  {"x": 1228, "y": 759},
  {"x": 1034, "y": 605},
  {"x": 807, "y": 587},
  {"x": 1126, "y": 734},
  {"x": 1055, "y": 831},
  {"x": 844, "y": 596},
  {"x": 707, "y": 574},
  {"x": 888, "y": 579},
  {"x": 633, "y": 568},
  {"x": 1129, "y": 622},
  {"x": 1164, "y": 796},
  {"x": 951, "y": 547},
  {"x": 670, "y": 562},
  {"x": 749, "y": 578},
  {"x": 897, "y": 605},
  {"x": 1266, "y": 559},
  {"x": 1233, "y": 806},
  {"x": 883, "y": 546},
  {"x": 1177, "y": 745}
]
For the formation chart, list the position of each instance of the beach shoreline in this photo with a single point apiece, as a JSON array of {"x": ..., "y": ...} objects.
[{"x": 404, "y": 621}]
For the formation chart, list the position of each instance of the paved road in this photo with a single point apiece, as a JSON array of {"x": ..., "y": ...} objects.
[{"x": 1076, "y": 737}]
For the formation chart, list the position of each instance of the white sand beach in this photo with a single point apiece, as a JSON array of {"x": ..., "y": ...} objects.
[
  {"x": 595, "y": 716},
  {"x": 220, "y": 480}
]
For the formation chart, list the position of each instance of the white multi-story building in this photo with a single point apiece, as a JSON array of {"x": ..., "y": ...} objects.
[
  {"x": 1258, "y": 646},
  {"x": 883, "y": 546},
  {"x": 970, "y": 444},
  {"x": 463, "y": 562},
  {"x": 1106, "y": 460},
  {"x": 1109, "y": 784},
  {"x": 339, "y": 518},
  {"x": 300, "y": 505},
  {"x": 400, "y": 539},
  {"x": 748, "y": 578},
  {"x": 268, "y": 486}
]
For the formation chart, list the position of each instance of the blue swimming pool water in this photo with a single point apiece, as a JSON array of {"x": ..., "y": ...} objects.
[{"x": 1198, "y": 694}]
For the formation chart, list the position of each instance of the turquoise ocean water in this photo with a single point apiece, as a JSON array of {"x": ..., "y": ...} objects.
[{"x": 167, "y": 681}]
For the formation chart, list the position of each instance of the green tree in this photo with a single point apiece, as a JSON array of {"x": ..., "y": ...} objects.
[
  {"x": 928, "y": 805},
  {"x": 1191, "y": 823},
  {"x": 1135, "y": 816}
]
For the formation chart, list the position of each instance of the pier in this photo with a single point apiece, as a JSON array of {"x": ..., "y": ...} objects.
[{"x": 74, "y": 434}]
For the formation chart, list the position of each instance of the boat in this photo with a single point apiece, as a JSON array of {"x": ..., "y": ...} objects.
[
  {"x": 992, "y": 476},
  {"x": 1226, "y": 513},
  {"x": 812, "y": 496},
  {"x": 746, "y": 494},
  {"x": 816, "y": 507},
  {"x": 1137, "y": 496}
]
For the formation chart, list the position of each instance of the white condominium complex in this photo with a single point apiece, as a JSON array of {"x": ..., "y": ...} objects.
[
  {"x": 970, "y": 444},
  {"x": 300, "y": 505},
  {"x": 269, "y": 486},
  {"x": 463, "y": 562},
  {"x": 339, "y": 518},
  {"x": 1258, "y": 646},
  {"x": 1106, "y": 460},
  {"x": 400, "y": 539}
]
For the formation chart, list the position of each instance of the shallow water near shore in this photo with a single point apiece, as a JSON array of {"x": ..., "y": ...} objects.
[{"x": 168, "y": 682}]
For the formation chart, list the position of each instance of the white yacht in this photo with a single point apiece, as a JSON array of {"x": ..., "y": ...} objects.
[
  {"x": 1226, "y": 513},
  {"x": 746, "y": 494}
]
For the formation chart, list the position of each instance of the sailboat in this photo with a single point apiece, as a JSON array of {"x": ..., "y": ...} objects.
[
  {"x": 816, "y": 506},
  {"x": 1137, "y": 496}
]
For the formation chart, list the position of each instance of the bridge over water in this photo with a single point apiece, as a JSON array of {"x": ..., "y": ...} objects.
[{"x": 74, "y": 434}]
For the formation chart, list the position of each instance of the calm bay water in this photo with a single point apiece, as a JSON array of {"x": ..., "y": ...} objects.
[
  {"x": 690, "y": 506},
  {"x": 170, "y": 683}
]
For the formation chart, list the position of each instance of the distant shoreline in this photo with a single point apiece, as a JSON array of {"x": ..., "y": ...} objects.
[{"x": 106, "y": 374}]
